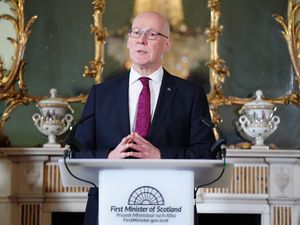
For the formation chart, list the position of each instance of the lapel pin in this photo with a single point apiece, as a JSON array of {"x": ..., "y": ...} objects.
[{"x": 169, "y": 89}]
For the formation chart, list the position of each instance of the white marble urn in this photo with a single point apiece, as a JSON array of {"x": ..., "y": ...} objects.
[
  {"x": 54, "y": 118},
  {"x": 258, "y": 120}
]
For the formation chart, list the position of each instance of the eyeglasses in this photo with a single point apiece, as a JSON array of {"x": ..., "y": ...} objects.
[{"x": 150, "y": 34}]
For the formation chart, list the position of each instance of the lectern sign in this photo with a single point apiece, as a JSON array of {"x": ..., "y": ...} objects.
[
  {"x": 146, "y": 197},
  {"x": 146, "y": 204}
]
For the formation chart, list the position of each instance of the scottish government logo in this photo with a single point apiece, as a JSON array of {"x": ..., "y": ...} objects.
[
  {"x": 146, "y": 195},
  {"x": 147, "y": 205}
]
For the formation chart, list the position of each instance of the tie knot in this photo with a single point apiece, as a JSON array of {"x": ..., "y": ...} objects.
[{"x": 145, "y": 80}]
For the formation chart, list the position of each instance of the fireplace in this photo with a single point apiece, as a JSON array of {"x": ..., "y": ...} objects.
[
  {"x": 74, "y": 218},
  {"x": 232, "y": 219},
  {"x": 264, "y": 190}
]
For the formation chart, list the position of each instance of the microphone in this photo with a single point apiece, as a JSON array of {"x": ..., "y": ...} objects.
[
  {"x": 71, "y": 143},
  {"x": 215, "y": 149},
  {"x": 219, "y": 147}
]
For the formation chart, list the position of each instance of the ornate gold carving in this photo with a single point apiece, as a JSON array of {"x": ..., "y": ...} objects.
[
  {"x": 217, "y": 66},
  {"x": 291, "y": 33},
  {"x": 12, "y": 87},
  {"x": 96, "y": 66},
  {"x": 2, "y": 70},
  {"x": 219, "y": 70},
  {"x": 23, "y": 32}
]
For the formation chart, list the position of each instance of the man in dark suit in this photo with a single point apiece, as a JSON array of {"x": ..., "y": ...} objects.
[{"x": 178, "y": 109}]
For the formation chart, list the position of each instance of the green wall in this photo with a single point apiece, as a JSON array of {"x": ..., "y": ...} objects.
[{"x": 251, "y": 44}]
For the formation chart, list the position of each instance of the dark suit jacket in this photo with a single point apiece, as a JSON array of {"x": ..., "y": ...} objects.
[{"x": 177, "y": 128}]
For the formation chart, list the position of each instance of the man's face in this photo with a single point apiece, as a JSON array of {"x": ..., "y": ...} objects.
[{"x": 145, "y": 53}]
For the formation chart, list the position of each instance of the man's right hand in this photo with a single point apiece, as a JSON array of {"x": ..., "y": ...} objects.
[{"x": 120, "y": 152}]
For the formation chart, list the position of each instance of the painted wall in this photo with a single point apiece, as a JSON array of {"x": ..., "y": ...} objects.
[{"x": 251, "y": 44}]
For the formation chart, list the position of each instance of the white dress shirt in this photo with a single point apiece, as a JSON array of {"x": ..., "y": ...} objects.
[{"x": 135, "y": 88}]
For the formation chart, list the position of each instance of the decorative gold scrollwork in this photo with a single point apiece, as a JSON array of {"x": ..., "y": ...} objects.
[
  {"x": 290, "y": 32},
  {"x": 12, "y": 87},
  {"x": 96, "y": 66},
  {"x": 218, "y": 69}
]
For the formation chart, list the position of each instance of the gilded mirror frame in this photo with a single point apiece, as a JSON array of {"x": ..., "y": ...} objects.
[
  {"x": 219, "y": 70},
  {"x": 217, "y": 67},
  {"x": 13, "y": 89}
]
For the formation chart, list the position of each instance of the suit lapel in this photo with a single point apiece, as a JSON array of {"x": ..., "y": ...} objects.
[
  {"x": 166, "y": 95},
  {"x": 121, "y": 101}
]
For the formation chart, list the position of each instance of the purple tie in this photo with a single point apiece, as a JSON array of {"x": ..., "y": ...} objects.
[{"x": 143, "y": 110}]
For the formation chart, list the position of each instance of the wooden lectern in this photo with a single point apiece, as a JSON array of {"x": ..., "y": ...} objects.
[{"x": 142, "y": 192}]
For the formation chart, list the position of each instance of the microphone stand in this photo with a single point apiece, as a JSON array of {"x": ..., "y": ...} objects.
[
  {"x": 71, "y": 173},
  {"x": 218, "y": 149},
  {"x": 73, "y": 145}
]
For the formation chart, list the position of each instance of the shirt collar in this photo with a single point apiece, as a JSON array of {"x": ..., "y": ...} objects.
[{"x": 156, "y": 76}]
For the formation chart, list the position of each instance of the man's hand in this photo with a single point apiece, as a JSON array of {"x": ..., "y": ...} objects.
[
  {"x": 143, "y": 148},
  {"x": 120, "y": 152}
]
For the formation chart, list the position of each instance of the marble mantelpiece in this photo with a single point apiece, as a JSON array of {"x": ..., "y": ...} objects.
[{"x": 264, "y": 182}]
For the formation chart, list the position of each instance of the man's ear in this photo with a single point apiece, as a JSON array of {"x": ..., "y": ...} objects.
[{"x": 167, "y": 45}]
